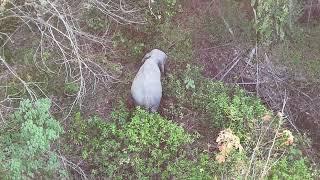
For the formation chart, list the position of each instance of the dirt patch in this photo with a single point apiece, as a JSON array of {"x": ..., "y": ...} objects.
[
  {"x": 102, "y": 102},
  {"x": 304, "y": 106}
]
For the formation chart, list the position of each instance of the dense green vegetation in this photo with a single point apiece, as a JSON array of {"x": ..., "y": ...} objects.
[
  {"x": 64, "y": 90},
  {"x": 25, "y": 142},
  {"x": 140, "y": 145},
  {"x": 139, "y": 148}
]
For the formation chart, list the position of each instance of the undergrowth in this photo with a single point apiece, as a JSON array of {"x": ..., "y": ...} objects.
[
  {"x": 146, "y": 145},
  {"x": 25, "y": 142},
  {"x": 248, "y": 119},
  {"x": 232, "y": 24},
  {"x": 224, "y": 106},
  {"x": 138, "y": 145},
  {"x": 293, "y": 166},
  {"x": 138, "y": 148},
  {"x": 142, "y": 145}
]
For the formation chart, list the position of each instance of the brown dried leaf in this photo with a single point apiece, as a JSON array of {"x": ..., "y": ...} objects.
[
  {"x": 221, "y": 159},
  {"x": 266, "y": 117}
]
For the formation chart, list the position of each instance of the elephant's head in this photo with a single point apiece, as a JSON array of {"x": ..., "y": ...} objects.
[{"x": 158, "y": 56}]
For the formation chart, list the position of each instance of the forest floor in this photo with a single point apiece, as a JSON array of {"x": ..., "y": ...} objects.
[
  {"x": 218, "y": 39},
  {"x": 223, "y": 58}
]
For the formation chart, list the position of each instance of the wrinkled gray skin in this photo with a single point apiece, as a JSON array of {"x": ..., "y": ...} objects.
[{"x": 146, "y": 88}]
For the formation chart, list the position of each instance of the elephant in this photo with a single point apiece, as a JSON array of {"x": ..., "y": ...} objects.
[{"x": 146, "y": 88}]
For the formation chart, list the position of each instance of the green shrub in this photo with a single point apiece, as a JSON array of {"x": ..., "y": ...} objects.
[
  {"x": 25, "y": 142},
  {"x": 292, "y": 167},
  {"x": 139, "y": 148},
  {"x": 153, "y": 141},
  {"x": 98, "y": 143},
  {"x": 120, "y": 114},
  {"x": 226, "y": 107},
  {"x": 204, "y": 166},
  {"x": 181, "y": 88},
  {"x": 275, "y": 19},
  {"x": 231, "y": 108},
  {"x": 174, "y": 87},
  {"x": 147, "y": 145}
]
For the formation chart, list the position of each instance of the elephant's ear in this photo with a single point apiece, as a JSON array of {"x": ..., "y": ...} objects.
[
  {"x": 147, "y": 56},
  {"x": 161, "y": 66}
]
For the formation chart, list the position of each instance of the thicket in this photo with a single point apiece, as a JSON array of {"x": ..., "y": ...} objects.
[{"x": 140, "y": 147}]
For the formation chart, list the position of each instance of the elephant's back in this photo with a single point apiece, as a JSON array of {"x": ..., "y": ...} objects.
[{"x": 146, "y": 88}]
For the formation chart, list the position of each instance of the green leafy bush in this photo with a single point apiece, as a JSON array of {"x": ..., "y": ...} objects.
[
  {"x": 186, "y": 86},
  {"x": 144, "y": 145},
  {"x": 292, "y": 167},
  {"x": 153, "y": 141},
  {"x": 203, "y": 167},
  {"x": 25, "y": 142},
  {"x": 274, "y": 18},
  {"x": 226, "y": 107},
  {"x": 98, "y": 143},
  {"x": 139, "y": 148},
  {"x": 230, "y": 108},
  {"x": 120, "y": 115}
]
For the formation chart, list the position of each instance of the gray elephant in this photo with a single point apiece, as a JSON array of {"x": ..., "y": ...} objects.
[{"x": 146, "y": 88}]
